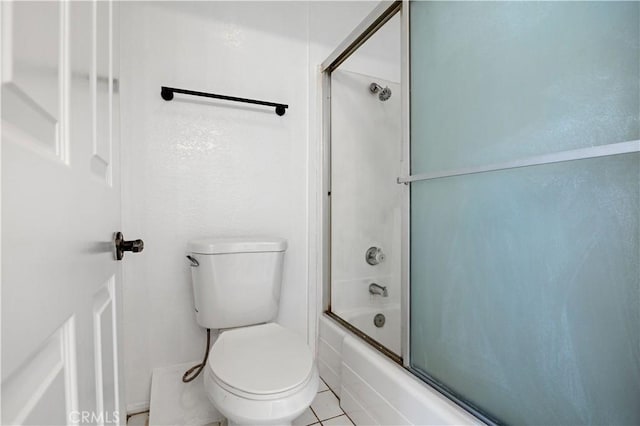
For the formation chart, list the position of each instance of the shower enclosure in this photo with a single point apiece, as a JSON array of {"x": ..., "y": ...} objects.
[
  {"x": 366, "y": 201},
  {"x": 484, "y": 232}
]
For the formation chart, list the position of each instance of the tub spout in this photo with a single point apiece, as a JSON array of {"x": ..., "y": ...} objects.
[{"x": 378, "y": 289}]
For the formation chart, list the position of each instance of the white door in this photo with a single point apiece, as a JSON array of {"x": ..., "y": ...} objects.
[{"x": 60, "y": 207}]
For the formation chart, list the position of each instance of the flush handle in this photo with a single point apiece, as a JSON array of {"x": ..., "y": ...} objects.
[
  {"x": 122, "y": 245},
  {"x": 194, "y": 261}
]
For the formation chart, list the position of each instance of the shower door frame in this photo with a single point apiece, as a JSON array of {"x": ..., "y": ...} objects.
[{"x": 367, "y": 28}]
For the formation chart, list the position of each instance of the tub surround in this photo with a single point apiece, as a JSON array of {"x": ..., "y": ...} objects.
[
  {"x": 365, "y": 197},
  {"x": 374, "y": 389},
  {"x": 387, "y": 334}
]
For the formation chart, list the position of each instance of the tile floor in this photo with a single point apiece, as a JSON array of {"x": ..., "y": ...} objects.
[{"x": 324, "y": 411}]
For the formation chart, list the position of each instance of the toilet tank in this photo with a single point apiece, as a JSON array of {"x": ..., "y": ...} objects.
[{"x": 237, "y": 280}]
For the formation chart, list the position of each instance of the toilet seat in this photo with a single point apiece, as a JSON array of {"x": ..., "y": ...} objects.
[
  {"x": 240, "y": 410},
  {"x": 261, "y": 362}
]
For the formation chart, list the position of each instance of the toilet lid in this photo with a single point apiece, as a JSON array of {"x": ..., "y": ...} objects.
[{"x": 262, "y": 359}]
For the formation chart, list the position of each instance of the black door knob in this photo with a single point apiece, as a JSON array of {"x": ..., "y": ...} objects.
[{"x": 135, "y": 246}]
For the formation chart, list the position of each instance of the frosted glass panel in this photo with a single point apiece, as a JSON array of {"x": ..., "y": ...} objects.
[
  {"x": 525, "y": 291},
  {"x": 525, "y": 283},
  {"x": 496, "y": 81}
]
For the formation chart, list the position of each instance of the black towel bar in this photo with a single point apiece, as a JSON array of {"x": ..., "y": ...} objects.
[{"x": 167, "y": 95}]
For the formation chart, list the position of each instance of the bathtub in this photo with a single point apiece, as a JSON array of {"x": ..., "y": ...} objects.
[
  {"x": 374, "y": 390},
  {"x": 388, "y": 335}
]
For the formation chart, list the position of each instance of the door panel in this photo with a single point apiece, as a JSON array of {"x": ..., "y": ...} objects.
[
  {"x": 104, "y": 314},
  {"x": 32, "y": 74},
  {"x": 44, "y": 390},
  {"x": 102, "y": 89},
  {"x": 60, "y": 207}
]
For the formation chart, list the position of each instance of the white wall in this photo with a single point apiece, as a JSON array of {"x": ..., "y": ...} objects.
[{"x": 195, "y": 167}]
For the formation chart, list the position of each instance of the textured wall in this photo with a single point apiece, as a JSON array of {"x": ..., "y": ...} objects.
[{"x": 195, "y": 167}]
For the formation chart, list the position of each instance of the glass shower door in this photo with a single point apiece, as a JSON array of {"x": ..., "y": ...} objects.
[
  {"x": 366, "y": 201},
  {"x": 525, "y": 270}
]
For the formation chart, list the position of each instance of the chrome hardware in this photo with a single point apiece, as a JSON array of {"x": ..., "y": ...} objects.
[
  {"x": 379, "y": 320},
  {"x": 193, "y": 260},
  {"x": 374, "y": 255},
  {"x": 385, "y": 93},
  {"x": 378, "y": 289},
  {"x": 134, "y": 246}
]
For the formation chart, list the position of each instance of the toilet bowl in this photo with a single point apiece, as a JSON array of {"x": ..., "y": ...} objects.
[
  {"x": 258, "y": 372},
  {"x": 261, "y": 375}
]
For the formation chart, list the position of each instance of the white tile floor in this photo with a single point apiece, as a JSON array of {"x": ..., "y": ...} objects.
[{"x": 324, "y": 411}]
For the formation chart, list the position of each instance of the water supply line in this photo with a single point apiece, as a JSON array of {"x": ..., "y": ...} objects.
[{"x": 187, "y": 376}]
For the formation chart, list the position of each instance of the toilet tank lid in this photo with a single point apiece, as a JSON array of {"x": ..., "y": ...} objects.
[{"x": 222, "y": 245}]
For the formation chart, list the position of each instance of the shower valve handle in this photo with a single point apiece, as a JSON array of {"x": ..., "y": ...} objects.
[{"x": 374, "y": 255}]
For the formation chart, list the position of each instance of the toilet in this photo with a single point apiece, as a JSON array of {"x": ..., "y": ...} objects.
[{"x": 258, "y": 372}]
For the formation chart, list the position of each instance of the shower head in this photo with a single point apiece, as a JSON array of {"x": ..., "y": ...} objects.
[{"x": 385, "y": 93}]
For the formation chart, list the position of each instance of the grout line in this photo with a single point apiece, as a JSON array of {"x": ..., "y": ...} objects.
[
  {"x": 339, "y": 415},
  {"x": 338, "y": 398},
  {"x": 352, "y": 422},
  {"x": 336, "y": 395},
  {"x": 314, "y": 413},
  {"x": 322, "y": 391},
  {"x": 325, "y": 383},
  {"x": 329, "y": 389}
]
